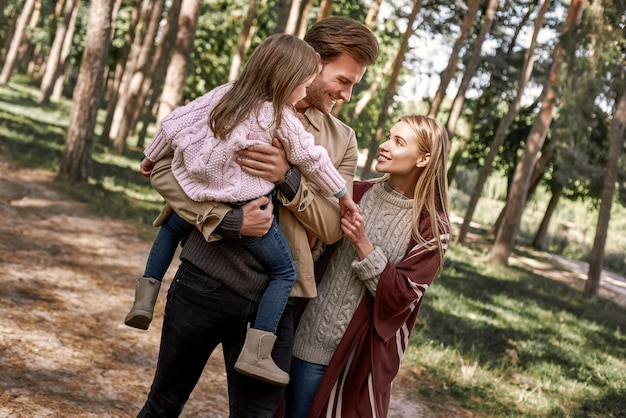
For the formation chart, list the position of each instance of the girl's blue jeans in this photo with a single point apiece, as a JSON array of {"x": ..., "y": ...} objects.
[
  {"x": 271, "y": 250},
  {"x": 171, "y": 233}
]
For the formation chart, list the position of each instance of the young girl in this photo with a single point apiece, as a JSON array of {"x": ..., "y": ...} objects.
[
  {"x": 375, "y": 280},
  {"x": 204, "y": 137}
]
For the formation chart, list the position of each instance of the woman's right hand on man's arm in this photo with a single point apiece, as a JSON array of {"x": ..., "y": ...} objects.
[{"x": 258, "y": 216}]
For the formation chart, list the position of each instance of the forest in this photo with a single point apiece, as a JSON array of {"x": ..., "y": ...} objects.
[{"x": 531, "y": 92}]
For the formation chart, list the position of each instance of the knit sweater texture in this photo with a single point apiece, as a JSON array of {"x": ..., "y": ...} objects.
[
  {"x": 387, "y": 216},
  {"x": 206, "y": 166}
]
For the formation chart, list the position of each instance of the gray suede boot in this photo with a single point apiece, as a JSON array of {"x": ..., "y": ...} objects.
[
  {"x": 146, "y": 292},
  {"x": 255, "y": 359}
]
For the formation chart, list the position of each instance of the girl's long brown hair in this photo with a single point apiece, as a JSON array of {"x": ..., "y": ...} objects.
[{"x": 277, "y": 66}]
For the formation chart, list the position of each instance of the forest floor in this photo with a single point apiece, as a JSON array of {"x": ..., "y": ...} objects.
[{"x": 66, "y": 283}]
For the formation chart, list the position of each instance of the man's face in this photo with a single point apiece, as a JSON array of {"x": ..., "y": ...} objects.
[{"x": 333, "y": 83}]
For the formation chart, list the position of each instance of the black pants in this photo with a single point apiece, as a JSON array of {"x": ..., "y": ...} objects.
[{"x": 200, "y": 314}]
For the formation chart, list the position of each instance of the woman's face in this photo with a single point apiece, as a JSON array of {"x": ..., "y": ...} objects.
[{"x": 399, "y": 153}]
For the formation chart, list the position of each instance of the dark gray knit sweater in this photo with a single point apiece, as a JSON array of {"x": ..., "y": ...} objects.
[{"x": 227, "y": 260}]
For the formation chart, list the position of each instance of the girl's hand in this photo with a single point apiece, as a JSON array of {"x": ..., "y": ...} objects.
[
  {"x": 145, "y": 167},
  {"x": 354, "y": 229},
  {"x": 349, "y": 209}
]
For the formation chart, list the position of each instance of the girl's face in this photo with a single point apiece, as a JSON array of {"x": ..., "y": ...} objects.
[
  {"x": 399, "y": 154},
  {"x": 300, "y": 92}
]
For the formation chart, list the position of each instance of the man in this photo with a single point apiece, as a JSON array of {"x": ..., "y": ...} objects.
[{"x": 218, "y": 285}]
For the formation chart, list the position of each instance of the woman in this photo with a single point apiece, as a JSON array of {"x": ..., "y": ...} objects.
[{"x": 350, "y": 339}]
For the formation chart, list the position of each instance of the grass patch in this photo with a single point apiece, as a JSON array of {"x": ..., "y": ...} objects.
[
  {"x": 500, "y": 342},
  {"x": 509, "y": 342},
  {"x": 34, "y": 136}
]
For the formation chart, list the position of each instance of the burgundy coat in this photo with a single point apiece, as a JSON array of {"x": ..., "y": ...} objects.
[{"x": 357, "y": 382}]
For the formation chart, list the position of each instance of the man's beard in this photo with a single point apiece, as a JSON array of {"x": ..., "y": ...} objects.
[{"x": 316, "y": 97}]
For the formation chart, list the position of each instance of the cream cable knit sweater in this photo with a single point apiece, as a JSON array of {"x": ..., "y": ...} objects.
[
  {"x": 387, "y": 216},
  {"x": 205, "y": 166}
]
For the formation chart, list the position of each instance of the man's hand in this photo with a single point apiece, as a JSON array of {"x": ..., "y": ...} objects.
[
  {"x": 258, "y": 215},
  {"x": 266, "y": 161}
]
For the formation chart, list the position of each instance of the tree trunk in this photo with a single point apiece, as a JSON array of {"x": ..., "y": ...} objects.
[
  {"x": 18, "y": 35},
  {"x": 372, "y": 13},
  {"x": 8, "y": 36},
  {"x": 26, "y": 49},
  {"x": 55, "y": 60},
  {"x": 507, "y": 232},
  {"x": 449, "y": 71},
  {"x": 456, "y": 158},
  {"x": 113, "y": 90},
  {"x": 238, "y": 57},
  {"x": 153, "y": 79},
  {"x": 503, "y": 126},
  {"x": 486, "y": 94},
  {"x": 283, "y": 7},
  {"x": 153, "y": 82},
  {"x": 391, "y": 89},
  {"x": 88, "y": 94},
  {"x": 616, "y": 143},
  {"x": 174, "y": 86},
  {"x": 325, "y": 8},
  {"x": 57, "y": 91},
  {"x": 143, "y": 52},
  {"x": 542, "y": 232},
  {"x": 470, "y": 70},
  {"x": 303, "y": 20},
  {"x": 294, "y": 16}
]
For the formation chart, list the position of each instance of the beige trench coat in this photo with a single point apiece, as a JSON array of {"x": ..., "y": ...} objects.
[{"x": 309, "y": 210}]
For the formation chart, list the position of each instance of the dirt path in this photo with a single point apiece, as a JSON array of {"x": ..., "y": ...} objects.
[{"x": 66, "y": 283}]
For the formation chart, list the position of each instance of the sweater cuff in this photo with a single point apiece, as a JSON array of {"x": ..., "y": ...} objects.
[
  {"x": 371, "y": 266},
  {"x": 231, "y": 224},
  {"x": 290, "y": 185},
  {"x": 341, "y": 193}
]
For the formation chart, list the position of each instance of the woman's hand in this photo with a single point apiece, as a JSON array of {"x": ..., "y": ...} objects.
[{"x": 353, "y": 227}]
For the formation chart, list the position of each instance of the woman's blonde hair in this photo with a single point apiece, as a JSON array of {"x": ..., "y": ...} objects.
[
  {"x": 431, "y": 189},
  {"x": 278, "y": 65}
]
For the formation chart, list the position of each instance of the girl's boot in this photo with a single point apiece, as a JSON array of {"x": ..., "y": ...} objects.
[
  {"x": 255, "y": 359},
  {"x": 146, "y": 292}
]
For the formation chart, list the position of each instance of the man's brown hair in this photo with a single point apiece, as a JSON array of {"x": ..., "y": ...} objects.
[{"x": 337, "y": 35}]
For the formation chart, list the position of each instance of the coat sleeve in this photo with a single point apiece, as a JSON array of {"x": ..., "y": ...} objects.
[
  {"x": 318, "y": 213},
  {"x": 401, "y": 287}
]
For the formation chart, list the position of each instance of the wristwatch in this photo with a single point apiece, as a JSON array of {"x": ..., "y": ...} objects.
[{"x": 288, "y": 173}]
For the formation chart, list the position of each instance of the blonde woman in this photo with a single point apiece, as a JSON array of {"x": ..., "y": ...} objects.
[{"x": 350, "y": 339}]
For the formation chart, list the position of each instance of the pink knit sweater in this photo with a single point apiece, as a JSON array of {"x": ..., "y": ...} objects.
[{"x": 206, "y": 167}]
